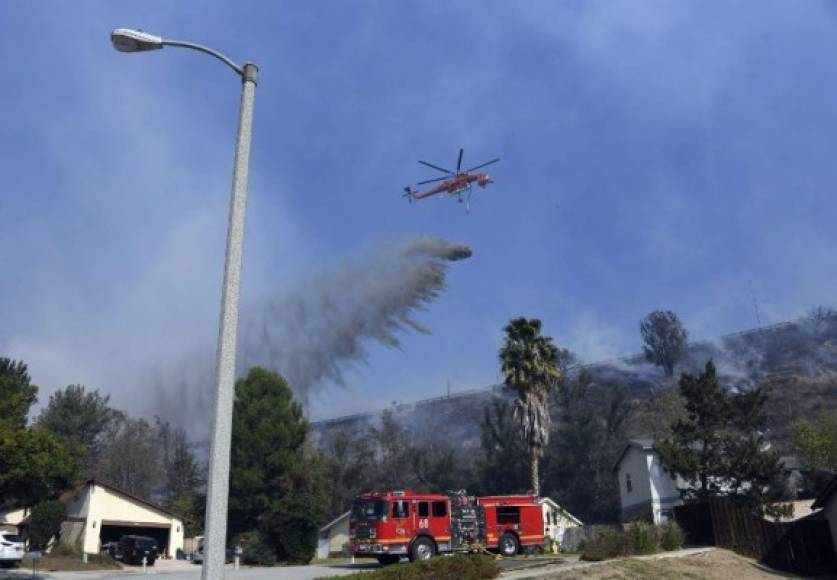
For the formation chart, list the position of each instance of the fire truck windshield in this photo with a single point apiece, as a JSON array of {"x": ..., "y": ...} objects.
[{"x": 368, "y": 509}]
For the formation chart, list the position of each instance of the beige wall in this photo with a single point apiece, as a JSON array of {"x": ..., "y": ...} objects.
[
  {"x": 338, "y": 535},
  {"x": 97, "y": 503},
  {"x": 12, "y": 517},
  {"x": 72, "y": 533}
]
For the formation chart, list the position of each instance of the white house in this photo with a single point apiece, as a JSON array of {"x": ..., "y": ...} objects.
[
  {"x": 827, "y": 500},
  {"x": 99, "y": 512},
  {"x": 556, "y": 520},
  {"x": 647, "y": 491},
  {"x": 333, "y": 537}
]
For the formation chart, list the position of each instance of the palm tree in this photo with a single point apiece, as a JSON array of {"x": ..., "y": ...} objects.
[{"x": 531, "y": 367}]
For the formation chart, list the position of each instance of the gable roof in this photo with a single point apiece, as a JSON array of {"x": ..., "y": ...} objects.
[
  {"x": 67, "y": 495},
  {"x": 642, "y": 443},
  {"x": 559, "y": 508},
  {"x": 335, "y": 521},
  {"x": 826, "y": 494}
]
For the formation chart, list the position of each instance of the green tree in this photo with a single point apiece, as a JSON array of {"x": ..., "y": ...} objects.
[
  {"x": 276, "y": 487},
  {"x": 530, "y": 365},
  {"x": 34, "y": 464},
  {"x": 81, "y": 417},
  {"x": 719, "y": 447},
  {"x": 16, "y": 392},
  {"x": 46, "y": 522},
  {"x": 665, "y": 339},
  {"x": 816, "y": 440}
]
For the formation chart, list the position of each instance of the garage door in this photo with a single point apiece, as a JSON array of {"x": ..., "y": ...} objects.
[{"x": 113, "y": 530}]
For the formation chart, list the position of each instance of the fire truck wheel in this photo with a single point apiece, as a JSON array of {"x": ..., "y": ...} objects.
[
  {"x": 422, "y": 549},
  {"x": 388, "y": 559},
  {"x": 509, "y": 545}
]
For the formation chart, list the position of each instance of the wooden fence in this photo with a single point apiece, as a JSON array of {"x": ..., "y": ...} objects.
[{"x": 803, "y": 546}]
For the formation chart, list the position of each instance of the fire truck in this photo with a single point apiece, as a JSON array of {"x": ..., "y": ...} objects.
[{"x": 389, "y": 525}]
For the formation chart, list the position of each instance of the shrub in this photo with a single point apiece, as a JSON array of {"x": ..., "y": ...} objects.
[
  {"x": 461, "y": 567},
  {"x": 46, "y": 522},
  {"x": 642, "y": 538},
  {"x": 606, "y": 545},
  {"x": 671, "y": 537},
  {"x": 256, "y": 551}
]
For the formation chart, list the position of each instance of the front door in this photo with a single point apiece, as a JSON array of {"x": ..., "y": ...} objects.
[{"x": 404, "y": 519}]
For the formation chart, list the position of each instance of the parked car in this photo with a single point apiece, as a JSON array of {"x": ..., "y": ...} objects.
[
  {"x": 197, "y": 557},
  {"x": 132, "y": 549},
  {"x": 11, "y": 549}
]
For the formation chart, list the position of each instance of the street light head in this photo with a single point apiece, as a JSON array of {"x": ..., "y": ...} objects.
[{"x": 128, "y": 40}]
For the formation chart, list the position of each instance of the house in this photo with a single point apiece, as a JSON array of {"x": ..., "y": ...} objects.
[
  {"x": 99, "y": 512},
  {"x": 646, "y": 490},
  {"x": 10, "y": 519},
  {"x": 827, "y": 500},
  {"x": 333, "y": 537},
  {"x": 556, "y": 520}
]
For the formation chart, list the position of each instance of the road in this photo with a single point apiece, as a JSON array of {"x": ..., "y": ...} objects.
[{"x": 178, "y": 570}]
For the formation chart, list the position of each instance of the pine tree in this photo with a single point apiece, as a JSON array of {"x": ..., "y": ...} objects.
[
  {"x": 719, "y": 447},
  {"x": 277, "y": 487}
]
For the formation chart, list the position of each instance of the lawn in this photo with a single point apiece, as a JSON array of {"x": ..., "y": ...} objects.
[{"x": 71, "y": 563}]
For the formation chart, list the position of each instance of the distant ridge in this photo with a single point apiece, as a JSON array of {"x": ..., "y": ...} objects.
[{"x": 635, "y": 362}]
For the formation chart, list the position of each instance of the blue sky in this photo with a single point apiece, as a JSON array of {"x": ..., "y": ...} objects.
[{"x": 655, "y": 155}]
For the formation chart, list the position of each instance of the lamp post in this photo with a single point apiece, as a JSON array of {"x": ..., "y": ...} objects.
[{"x": 127, "y": 40}]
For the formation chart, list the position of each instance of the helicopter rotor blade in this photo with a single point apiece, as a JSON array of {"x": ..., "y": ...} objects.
[
  {"x": 431, "y": 180},
  {"x": 482, "y": 165},
  {"x": 436, "y": 167},
  {"x": 459, "y": 163}
]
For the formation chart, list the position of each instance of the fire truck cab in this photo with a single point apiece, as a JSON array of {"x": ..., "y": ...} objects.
[{"x": 389, "y": 525}]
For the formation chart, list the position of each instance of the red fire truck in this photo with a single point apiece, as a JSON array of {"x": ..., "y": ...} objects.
[{"x": 391, "y": 524}]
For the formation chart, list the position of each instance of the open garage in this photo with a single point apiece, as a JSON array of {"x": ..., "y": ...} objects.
[{"x": 99, "y": 512}]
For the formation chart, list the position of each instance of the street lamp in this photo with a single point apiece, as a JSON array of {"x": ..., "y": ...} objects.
[{"x": 127, "y": 40}]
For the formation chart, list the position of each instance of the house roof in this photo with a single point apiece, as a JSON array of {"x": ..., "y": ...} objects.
[
  {"x": 335, "y": 521},
  {"x": 67, "y": 496},
  {"x": 826, "y": 494},
  {"x": 559, "y": 508},
  {"x": 643, "y": 443}
]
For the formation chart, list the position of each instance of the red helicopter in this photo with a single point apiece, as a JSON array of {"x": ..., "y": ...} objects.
[{"x": 453, "y": 183}]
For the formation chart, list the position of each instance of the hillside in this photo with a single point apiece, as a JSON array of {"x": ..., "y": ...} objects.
[{"x": 797, "y": 360}]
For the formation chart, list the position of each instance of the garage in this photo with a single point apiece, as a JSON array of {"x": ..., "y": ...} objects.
[
  {"x": 99, "y": 512},
  {"x": 112, "y": 531}
]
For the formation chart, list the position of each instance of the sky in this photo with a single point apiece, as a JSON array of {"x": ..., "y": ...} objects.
[{"x": 674, "y": 155}]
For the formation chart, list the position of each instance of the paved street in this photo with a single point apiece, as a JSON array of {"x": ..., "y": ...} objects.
[{"x": 178, "y": 570}]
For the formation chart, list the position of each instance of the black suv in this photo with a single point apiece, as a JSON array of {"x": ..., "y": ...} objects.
[{"x": 132, "y": 549}]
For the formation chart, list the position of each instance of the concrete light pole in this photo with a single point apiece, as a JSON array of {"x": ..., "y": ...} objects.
[{"x": 126, "y": 40}]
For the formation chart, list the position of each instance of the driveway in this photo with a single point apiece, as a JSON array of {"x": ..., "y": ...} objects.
[{"x": 178, "y": 570}]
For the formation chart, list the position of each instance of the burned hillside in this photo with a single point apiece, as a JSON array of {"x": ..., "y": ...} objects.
[{"x": 796, "y": 359}]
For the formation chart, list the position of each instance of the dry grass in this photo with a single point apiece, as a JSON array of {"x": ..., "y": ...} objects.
[{"x": 714, "y": 565}]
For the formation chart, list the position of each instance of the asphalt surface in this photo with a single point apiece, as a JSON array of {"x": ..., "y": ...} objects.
[{"x": 182, "y": 570}]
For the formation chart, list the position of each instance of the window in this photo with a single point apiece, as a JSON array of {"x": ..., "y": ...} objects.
[
  {"x": 423, "y": 509},
  {"x": 400, "y": 509},
  {"x": 628, "y": 485},
  {"x": 508, "y": 515},
  {"x": 440, "y": 509}
]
